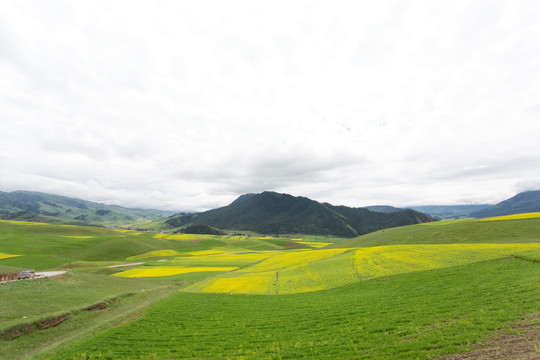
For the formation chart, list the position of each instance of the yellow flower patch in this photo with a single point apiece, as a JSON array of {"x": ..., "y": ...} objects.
[
  {"x": 281, "y": 259},
  {"x": 170, "y": 270},
  {"x": 261, "y": 283},
  {"x": 205, "y": 252},
  {"x": 155, "y": 253},
  {"x": 178, "y": 236},
  {"x": 16, "y": 222},
  {"x": 7, "y": 256},
  {"x": 514, "y": 216},
  {"x": 127, "y": 231},
  {"x": 397, "y": 259},
  {"x": 313, "y": 244}
]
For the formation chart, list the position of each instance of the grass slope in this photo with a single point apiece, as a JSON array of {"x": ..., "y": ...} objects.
[
  {"x": 45, "y": 246},
  {"x": 412, "y": 316},
  {"x": 506, "y": 231},
  {"x": 409, "y": 292}
]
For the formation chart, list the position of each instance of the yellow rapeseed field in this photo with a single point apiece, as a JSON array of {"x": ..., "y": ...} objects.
[
  {"x": 283, "y": 272},
  {"x": 513, "y": 217},
  {"x": 313, "y": 244},
  {"x": 127, "y": 231},
  {"x": 396, "y": 259},
  {"x": 154, "y": 253},
  {"x": 260, "y": 283},
  {"x": 17, "y": 222},
  {"x": 205, "y": 252},
  {"x": 282, "y": 260},
  {"x": 170, "y": 270},
  {"x": 297, "y": 271},
  {"x": 6, "y": 256}
]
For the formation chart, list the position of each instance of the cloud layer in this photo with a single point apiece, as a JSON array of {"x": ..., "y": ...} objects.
[{"x": 182, "y": 105}]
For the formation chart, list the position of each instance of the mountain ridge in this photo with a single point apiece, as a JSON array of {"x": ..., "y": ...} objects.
[
  {"x": 43, "y": 207},
  {"x": 275, "y": 213},
  {"x": 524, "y": 202}
]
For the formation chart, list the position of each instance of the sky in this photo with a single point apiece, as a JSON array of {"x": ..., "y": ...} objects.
[{"x": 185, "y": 105}]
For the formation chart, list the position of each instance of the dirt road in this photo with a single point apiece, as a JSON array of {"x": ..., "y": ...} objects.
[
  {"x": 41, "y": 274},
  {"x": 49, "y": 274}
]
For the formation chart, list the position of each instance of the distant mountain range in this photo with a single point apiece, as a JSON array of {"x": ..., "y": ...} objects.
[
  {"x": 268, "y": 212},
  {"x": 524, "y": 202},
  {"x": 443, "y": 212},
  {"x": 274, "y": 213},
  {"x": 37, "y": 206}
]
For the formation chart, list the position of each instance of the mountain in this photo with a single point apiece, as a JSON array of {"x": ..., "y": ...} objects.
[
  {"x": 524, "y": 202},
  {"x": 274, "y": 213},
  {"x": 383, "y": 208},
  {"x": 37, "y": 206},
  {"x": 443, "y": 212}
]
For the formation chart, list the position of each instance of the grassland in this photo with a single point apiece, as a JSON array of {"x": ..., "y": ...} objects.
[
  {"x": 418, "y": 315},
  {"x": 413, "y": 292},
  {"x": 469, "y": 231}
]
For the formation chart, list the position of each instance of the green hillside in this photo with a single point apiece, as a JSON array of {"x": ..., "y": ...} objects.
[
  {"x": 412, "y": 316},
  {"x": 453, "y": 232},
  {"x": 273, "y": 213},
  {"x": 411, "y": 292},
  {"x": 41, "y": 207},
  {"x": 43, "y": 246}
]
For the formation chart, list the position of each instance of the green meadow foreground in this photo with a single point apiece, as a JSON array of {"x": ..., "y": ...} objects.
[{"x": 414, "y": 292}]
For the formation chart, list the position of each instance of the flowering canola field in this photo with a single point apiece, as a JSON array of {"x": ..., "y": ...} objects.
[
  {"x": 169, "y": 271},
  {"x": 311, "y": 270},
  {"x": 6, "y": 256},
  {"x": 154, "y": 253},
  {"x": 514, "y": 216},
  {"x": 238, "y": 264}
]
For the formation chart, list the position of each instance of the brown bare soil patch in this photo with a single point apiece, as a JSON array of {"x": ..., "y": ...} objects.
[
  {"x": 98, "y": 306},
  {"x": 17, "y": 331},
  {"x": 52, "y": 322},
  {"x": 8, "y": 277},
  {"x": 292, "y": 245},
  {"x": 518, "y": 342}
]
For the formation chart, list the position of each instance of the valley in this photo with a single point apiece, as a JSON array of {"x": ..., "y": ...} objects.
[{"x": 420, "y": 291}]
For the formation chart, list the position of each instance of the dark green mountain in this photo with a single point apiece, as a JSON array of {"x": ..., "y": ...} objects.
[
  {"x": 273, "y": 213},
  {"x": 524, "y": 202},
  {"x": 36, "y": 206}
]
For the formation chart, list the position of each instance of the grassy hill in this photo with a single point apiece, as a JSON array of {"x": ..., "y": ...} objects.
[
  {"x": 498, "y": 231},
  {"x": 273, "y": 213},
  {"x": 411, "y": 292},
  {"x": 41, "y": 207},
  {"x": 411, "y": 316}
]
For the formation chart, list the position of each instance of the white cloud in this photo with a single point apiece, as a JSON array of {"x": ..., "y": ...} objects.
[{"x": 187, "y": 105}]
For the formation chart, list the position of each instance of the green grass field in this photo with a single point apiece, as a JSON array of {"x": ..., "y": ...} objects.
[
  {"x": 418, "y": 315},
  {"x": 414, "y": 292}
]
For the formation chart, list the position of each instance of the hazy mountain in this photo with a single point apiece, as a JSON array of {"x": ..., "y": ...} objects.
[
  {"x": 524, "y": 202},
  {"x": 37, "y": 206},
  {"x": 274, "y": 213},
  {"x": 450, "y": 211},
  {"x": 383, "y": 208}
]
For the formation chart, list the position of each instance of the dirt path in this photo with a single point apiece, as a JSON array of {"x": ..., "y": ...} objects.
[
  {"x": 522, "y": 343},
  {"x": 40, "y": 275},
  {"x": 43, "y": 274},
  {"x": 124, "y": 265}
]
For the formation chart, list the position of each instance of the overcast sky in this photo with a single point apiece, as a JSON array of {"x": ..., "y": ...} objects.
[{"x": 186, "y": 105}]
